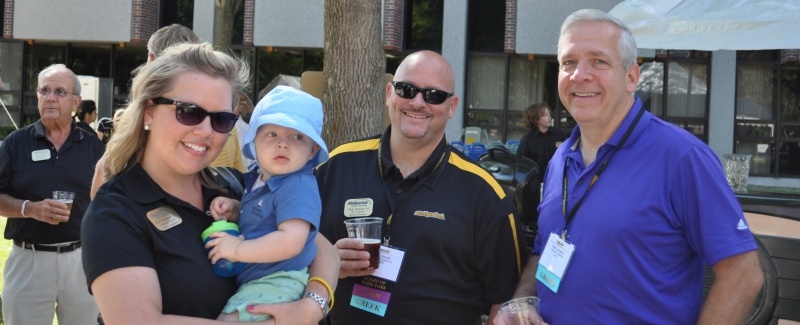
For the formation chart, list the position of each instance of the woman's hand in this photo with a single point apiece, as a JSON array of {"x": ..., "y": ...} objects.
[{"x": 301, "y": 312}]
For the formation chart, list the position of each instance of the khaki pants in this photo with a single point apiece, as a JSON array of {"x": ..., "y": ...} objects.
[{"x": 37, "y": 283}]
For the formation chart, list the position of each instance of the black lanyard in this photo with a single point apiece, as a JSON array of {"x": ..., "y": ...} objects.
[
  {"x": 389, "y": 196},
  {"x": 594, "y": 178}
]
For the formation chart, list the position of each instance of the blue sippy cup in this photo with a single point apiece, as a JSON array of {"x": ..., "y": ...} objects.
[{"x": 223, "y": 267}]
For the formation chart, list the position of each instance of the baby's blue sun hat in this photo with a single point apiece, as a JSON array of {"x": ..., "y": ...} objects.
[{"x": 291, "y": 108}]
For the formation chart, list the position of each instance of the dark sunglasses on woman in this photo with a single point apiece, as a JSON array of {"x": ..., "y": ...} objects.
[
  {"x": 191, "y": 115},
  {"x": 430, "y": 96}
]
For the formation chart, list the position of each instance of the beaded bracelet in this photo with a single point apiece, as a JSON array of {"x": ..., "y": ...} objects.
[{"x": 327, "y": 286}]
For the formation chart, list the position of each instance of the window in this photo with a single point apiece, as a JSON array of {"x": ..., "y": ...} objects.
[
  {"x": 486, "y": 25},
  {"x": 10, "y": 85},
  {"x": 293, "y": 63},
  {"x": 768, "y": 113},
  {"x": 90, "y": 60},
  {"x": 500, "y": 87},
  {"x": 423, "y": 25},
  {"x": 683, "y": 76},
  {"x": 126, "y": 59}
]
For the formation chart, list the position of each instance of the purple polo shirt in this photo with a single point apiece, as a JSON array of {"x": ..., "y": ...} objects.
[{"x": 658, "y": 214}]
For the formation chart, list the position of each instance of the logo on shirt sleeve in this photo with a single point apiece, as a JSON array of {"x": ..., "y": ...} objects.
[{"x": 741, "y": 225}]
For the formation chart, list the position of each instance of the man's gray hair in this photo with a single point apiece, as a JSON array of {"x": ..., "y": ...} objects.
[
  {"x": 76, "y": 84},
  {"x": 627, "y": 44},
  {"x": 168, "y": 36}
]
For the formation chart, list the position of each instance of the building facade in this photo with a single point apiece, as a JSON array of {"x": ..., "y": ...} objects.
[{"x": 502, "y": 52}]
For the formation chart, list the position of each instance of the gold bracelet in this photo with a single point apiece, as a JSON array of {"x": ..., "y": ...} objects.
[{"x": 327, "y": 286}]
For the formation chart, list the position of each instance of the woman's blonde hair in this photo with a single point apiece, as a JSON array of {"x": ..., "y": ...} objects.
[{"x": 152, "y": 80}]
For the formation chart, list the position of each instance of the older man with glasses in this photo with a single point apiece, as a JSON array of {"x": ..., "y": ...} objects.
[{"x": 44, "y": 272}]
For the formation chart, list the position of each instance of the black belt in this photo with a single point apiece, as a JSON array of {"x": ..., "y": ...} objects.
[{"x": 45, "y": 248}]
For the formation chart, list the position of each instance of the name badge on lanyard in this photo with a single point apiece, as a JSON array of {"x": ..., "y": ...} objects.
[
  {"x": 554, "y": 261},
  {"x": 372, "y": 294}
]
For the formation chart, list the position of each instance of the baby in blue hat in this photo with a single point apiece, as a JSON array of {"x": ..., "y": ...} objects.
[{"x": 279, "y": 213}]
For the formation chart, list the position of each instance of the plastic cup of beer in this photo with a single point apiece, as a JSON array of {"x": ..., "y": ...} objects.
[
  {"x": 64, "y": 197},
  {"x": 368, "y": 231},
  {"x": 521, "y": 311}
]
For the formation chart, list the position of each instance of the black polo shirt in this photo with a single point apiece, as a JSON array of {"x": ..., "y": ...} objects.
[
  {"x": 540, "y": 147},
  {"x": 27, "y": 173},
  {"x": 452, "y": 219},
  {"x": 87, "y": 128},
  {"x": 117, "y": 233}
]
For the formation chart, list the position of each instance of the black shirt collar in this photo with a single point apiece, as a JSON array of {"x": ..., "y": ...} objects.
[
  {"x": 437, "y": 158},
  {"x": 74, "y": 134},
  {"x": 142, "y": 189}
]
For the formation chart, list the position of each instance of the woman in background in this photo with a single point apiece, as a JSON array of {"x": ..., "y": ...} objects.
[
  {"x": 86, "y": 114},
  {"x": 540, "y": 143}
]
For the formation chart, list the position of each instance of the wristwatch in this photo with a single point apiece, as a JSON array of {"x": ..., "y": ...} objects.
[{"x": 323, "y": 304}]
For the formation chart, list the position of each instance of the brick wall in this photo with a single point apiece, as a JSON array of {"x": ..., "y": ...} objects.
[
  {"x": 249, "y": 13},
  {"x": 510, "y": 35},
  {"x": 393, "y": 25},
  {"x": 8, "y": 19},
  {"x": 145, "y": 19}
]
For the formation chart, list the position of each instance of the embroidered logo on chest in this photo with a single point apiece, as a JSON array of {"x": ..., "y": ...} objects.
[{"x": 428, "y": 214}]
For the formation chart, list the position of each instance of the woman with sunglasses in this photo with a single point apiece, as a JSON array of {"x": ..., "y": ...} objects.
[{"x": 143, "y": 257}]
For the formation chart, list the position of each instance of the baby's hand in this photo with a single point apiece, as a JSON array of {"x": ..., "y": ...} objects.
[
  {"x": 223, "y": 208},
  {"x": 224, "y": 246}
]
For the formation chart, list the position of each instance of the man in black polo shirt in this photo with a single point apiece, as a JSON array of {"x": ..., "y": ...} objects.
[
  {"x": 453, "y": 249},
  {"x": 44, "y": 271}
]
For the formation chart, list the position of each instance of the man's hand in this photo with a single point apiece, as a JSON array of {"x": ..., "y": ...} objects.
[
  {"x": 353, "y": 259},
  {"x": 47, "y": 211}
]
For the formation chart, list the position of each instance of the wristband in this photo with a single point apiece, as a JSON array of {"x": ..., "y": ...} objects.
[
  {"x": 326, "y": 285},
  {"x": 22, "y": 211}
]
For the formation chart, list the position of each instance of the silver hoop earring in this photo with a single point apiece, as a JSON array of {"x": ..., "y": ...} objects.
[{"x": 147, "y": 127}]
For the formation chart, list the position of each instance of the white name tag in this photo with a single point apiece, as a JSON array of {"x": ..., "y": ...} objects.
[
  {"x": 554, "y": 261},
  {"x": 39, "y": 155},
  {"x": 391, "y": 260},
  {"x": 358, "y": 207}
]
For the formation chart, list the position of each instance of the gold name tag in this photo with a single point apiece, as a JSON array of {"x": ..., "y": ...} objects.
[{"x": 164, "y": 218}]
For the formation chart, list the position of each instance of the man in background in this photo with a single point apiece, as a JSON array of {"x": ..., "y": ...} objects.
[{"x": 44, "y": 272}]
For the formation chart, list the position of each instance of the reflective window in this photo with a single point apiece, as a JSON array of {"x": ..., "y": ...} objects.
[
  {"x": 768, "y": 113},
  {"x": 684, "y": 77},
  {"x": 499, "y": 89}
]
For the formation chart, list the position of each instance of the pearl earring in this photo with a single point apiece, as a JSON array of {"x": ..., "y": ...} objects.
[{"x": 147, "y": 127}]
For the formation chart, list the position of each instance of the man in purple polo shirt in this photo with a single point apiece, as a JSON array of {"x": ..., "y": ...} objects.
[{"x": 633, "y": 207}]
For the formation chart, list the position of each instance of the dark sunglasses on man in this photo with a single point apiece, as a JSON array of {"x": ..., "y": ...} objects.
[
  {"x": 191, "y": 115},
  {"x": 430, "y": 96}
]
